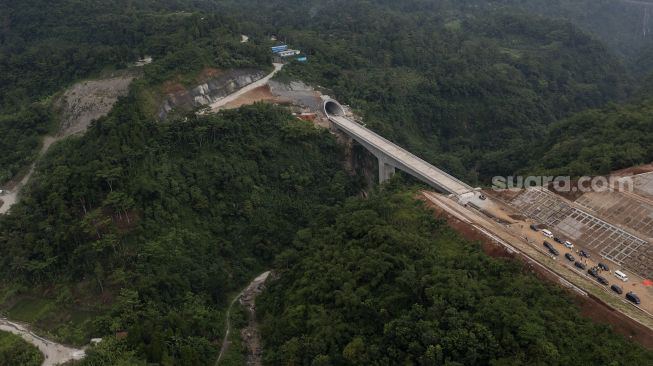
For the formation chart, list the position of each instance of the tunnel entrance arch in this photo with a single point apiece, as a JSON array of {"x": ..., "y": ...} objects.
[{"x": 333, "y": 108}]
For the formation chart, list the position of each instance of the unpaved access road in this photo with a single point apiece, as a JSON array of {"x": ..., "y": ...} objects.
[
  {"x": 590, "y": 305},
  {"x": 531, "y": 247},
  {"x": 250, "y": 291},
  {"x": 11, "y": 197},
  {"x": 259, "y": 83},
  {"x": 54, "y": 353},
  {"x": 81, "y": 104}
]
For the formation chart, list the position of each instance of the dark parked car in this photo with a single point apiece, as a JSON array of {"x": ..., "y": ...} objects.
[
  {"x": 558, "y": 240},
  {"x": 579, "y": 265},
  {"x": 593, "y": 272},
  {"x": 633, "y": 298},
  {"x": 617, "y": 289},
  {"x": 534, "y": 227},
  {"x": 602, "y": 280},
  {"x": 548, "y": 245},
  {"x": 604, "y": 267},
  {"x": 554, "y": 251},
  {"x": 570, "y": 257},
  {"x": 584, "y": 254}
]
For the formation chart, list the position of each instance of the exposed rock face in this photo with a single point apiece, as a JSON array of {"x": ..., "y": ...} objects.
[
  {"x": 89, "y": 100},
  {"x": 214, "y": 89},
  {"x": 80, "y": 105}
]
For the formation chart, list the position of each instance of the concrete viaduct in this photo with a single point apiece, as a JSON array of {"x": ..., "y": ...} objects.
[{"x": 391, "y": 156}]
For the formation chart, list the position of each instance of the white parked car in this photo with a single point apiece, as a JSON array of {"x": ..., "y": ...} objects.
[
  {"x": 547, "y": 233},
  {"x": 568, "y": 244},
  {"x": 620, "y": 275}
]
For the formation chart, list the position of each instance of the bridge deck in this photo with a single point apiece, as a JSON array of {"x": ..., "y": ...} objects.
[{"x": 432, "y": 173}]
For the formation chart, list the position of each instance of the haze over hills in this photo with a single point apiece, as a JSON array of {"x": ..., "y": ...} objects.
[
  {"x": 623, "y": 25},
  {"x": 142, "y": 230},
  {"x": 473, "y": 94}
]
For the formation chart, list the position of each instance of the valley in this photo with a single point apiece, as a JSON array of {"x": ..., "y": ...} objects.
[{"x": 309, "y": 183}]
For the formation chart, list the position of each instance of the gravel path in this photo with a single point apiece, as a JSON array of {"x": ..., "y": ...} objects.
[
  {"x": 82, "y": 103},
  {"x": 231, "y": 97},
  {"x": 247, "y": 291},
  {"x": 54, "y": 353}
]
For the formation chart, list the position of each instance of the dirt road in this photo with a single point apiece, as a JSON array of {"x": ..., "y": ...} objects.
[
  {"x": 260, "y": 94},
  {"x": 81, "y": 104},
  {"x": 257, "y": 84},
  {"x": 250, "y": 334},
  {"x": 589, "y": 304},
  {"x": 530, "y": 246},
  {"x": 54, "y": 353},
  {"x": 249, "y": 293}
]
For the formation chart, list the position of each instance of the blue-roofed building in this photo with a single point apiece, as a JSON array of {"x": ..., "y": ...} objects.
[{"x": 280, "y": 48}]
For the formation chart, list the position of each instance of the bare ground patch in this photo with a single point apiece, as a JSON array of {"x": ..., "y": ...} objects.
[
  {"x": 89, "y": 100},
  {"x": 590, "y": 306},
  {"x": 79, "y": 105},
  {"x": 260, "y": 94}
]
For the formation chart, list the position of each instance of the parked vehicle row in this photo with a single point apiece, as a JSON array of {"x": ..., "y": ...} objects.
[
  {"x": 551, "y": 248},
  {"x": 594, "y": 272},
  {"x": 633, "y": 298}
]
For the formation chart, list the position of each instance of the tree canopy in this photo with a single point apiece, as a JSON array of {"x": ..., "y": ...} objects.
[
  {"x": 15, "y": 351},
  {"x": 384, "y": 283},
  {"x": 141, "y": 231}
]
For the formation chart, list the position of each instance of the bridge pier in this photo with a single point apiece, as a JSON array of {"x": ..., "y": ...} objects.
[
  {"x": 386, "y": 170},
  {"x": 391, "y": 156}
]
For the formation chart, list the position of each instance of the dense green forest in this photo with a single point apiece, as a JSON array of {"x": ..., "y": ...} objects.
[
  {"x": 165, "y": 220},
  {"x": 17, "y": 352},
  {"x": 623, "y": 25},
  {"x": 381, "y": 282},
  {"x": 471, "y": 94},
  {"x": 148, "y": 228},
  {"x": 597, "y": 141},
  {"x": 46, "y": 45}
]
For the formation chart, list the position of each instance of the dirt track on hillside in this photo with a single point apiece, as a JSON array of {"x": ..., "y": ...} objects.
[
  {"x": 260, "y": 94},
  {"x": 54, "y": 353},
  {"x": 255, "y": 85},
  {"x": 81, "y": 104},
  {"x": 249, "y": 334}
]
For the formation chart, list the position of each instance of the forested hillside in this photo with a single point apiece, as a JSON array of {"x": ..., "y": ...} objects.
[
  {"x": 142, "y": 231},
  {"x": 164, "y": 220},
  {"x": 384, "y": 283},
  {"x": 46, "y": 45},
  {"x": 623, "y": 25},
  {"x": 470, "y": 94},
  {"x": 597, "y": 141},
  {"x": 15, "y": 351},
  {"x": 469, "y": 85}
]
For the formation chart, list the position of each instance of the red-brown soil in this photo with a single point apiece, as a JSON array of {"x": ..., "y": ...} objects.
[{"x": 591, "y": 307}]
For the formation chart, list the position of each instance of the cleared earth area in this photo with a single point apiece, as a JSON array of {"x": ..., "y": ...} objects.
[
  {"x": 592, "y": 232},
  {"x": 508, "y": 239},
  {"x": 613, "y": 235},
  {"x": 614, "y": 228},
  {"x": 80, "y": 105}
]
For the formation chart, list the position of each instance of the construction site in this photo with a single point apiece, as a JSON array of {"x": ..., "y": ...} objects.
[
  {"x": 586, "y": 241},
  {"x": 613, "y": 229}
]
